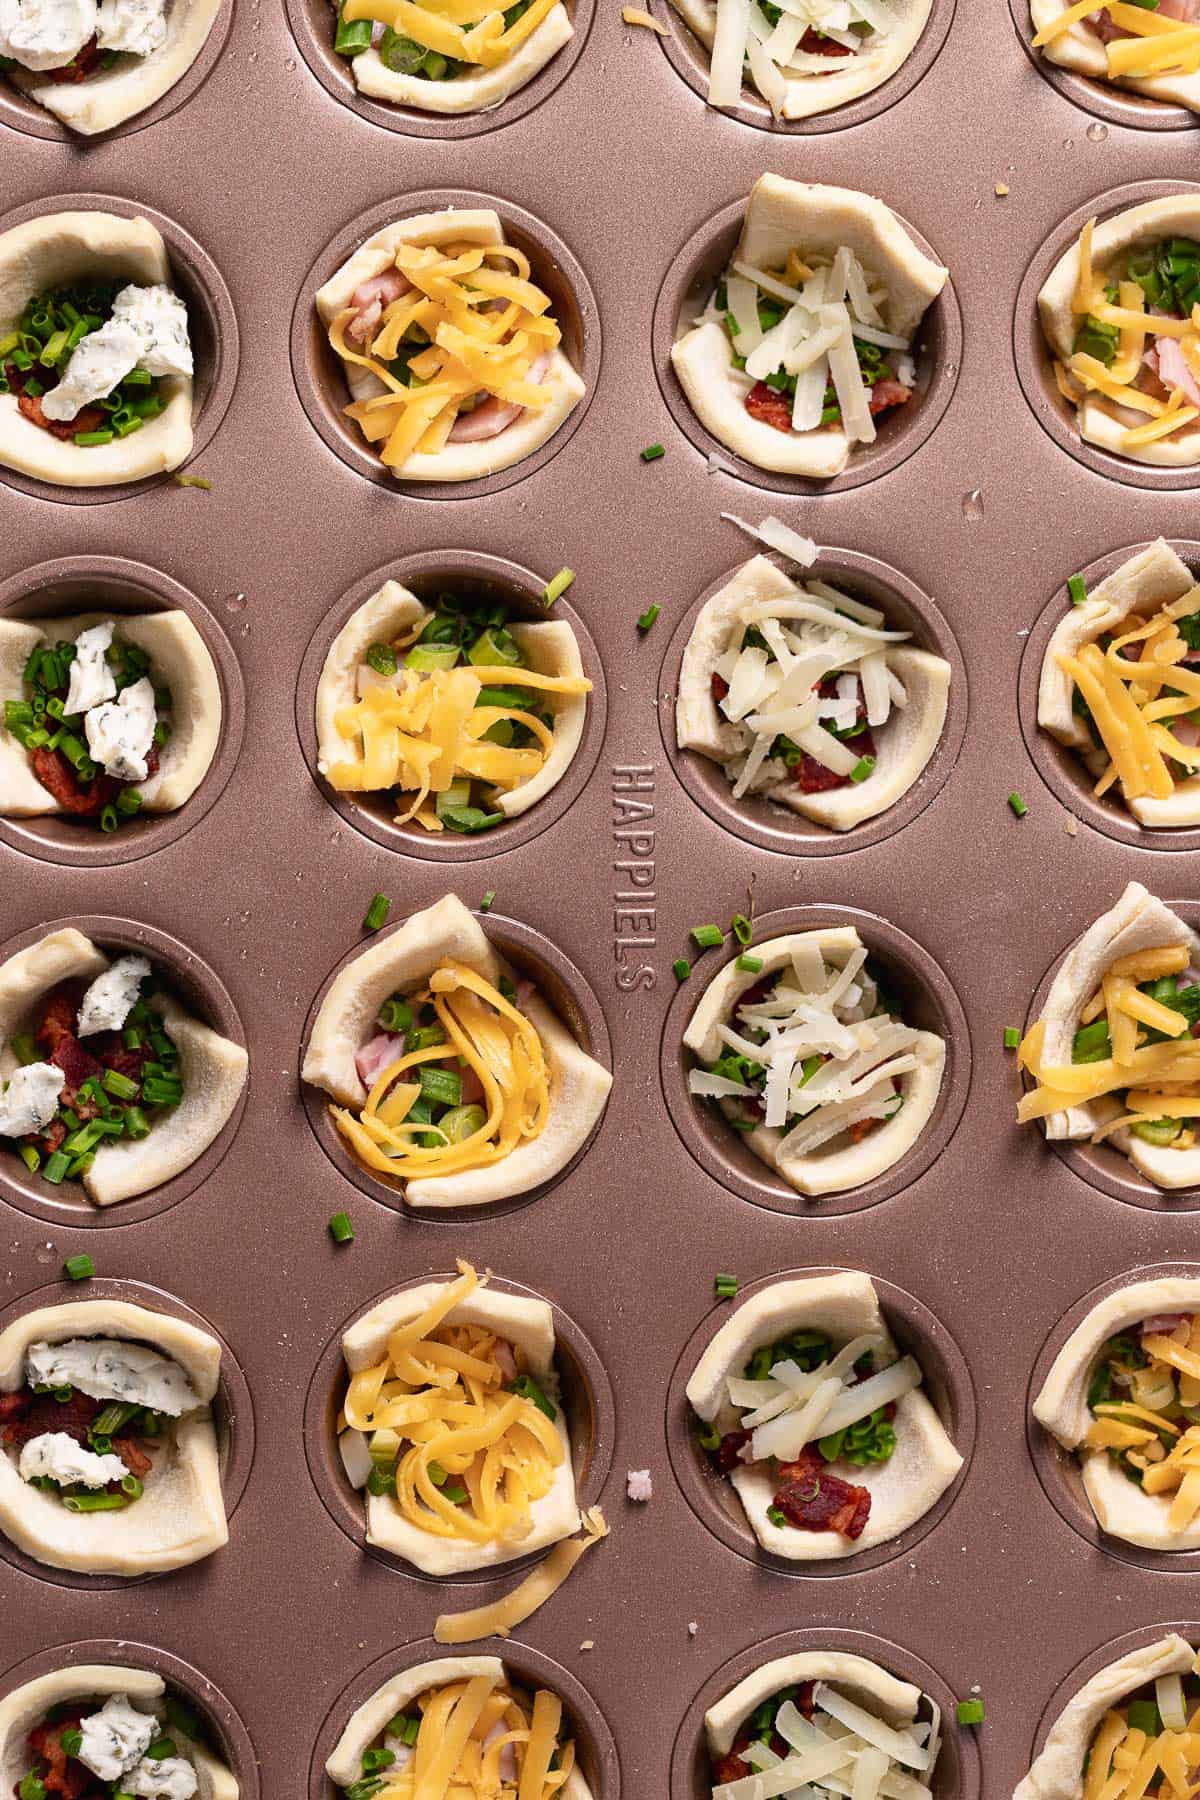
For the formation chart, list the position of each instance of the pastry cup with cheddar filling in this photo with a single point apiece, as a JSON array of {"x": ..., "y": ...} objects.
[
  {"x": 415, "y": 55},
  {"x": 144, "y": 723},
  {"x": 803, "y": 696},
  {"x": 1134, "y": 1712},
  {"x": 807, "y": 1056},
  {"x": 455, "y": 1426},
  {"x": 449, "y": 348},
  {"x": 459, "y": 1725},
  {"x": 465, "y": 714},
  {"x": 1120, "y": 685},
  {"x": 1121, "y": 1395},
  {"x": 108, "y": 1452},
  {"x": 830, "y": 1721},
  {"x": 1111, "y": 43},
  {"x": 1118, "y": 314},
  {"x": 819, "y": 1423},
  {"x": 107, "y": 1730},
  {"x": 450, "y": 1077},
  {"x": 105, "y": 1077},
  {"x": 812, "y": 62},
  {"x": 1112, "y": 1058},
  {"x": 810, "y": 333}
]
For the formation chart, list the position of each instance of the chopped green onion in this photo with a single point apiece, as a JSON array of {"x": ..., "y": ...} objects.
[
  {"x": 340, "y": 1228},
  {"x": 776, "y": 1516},
  {"x": 707, "y": 937},
  {"x": 749, "y": 965},
  {"x": 528, "y": 1389},
  {"x": 1012, "y": 1037},
  {"x": 1077, "y": 590},
  {"x": 30, "y": 1787},
  {"x": 137, "y": 1125},
  {"x": 132, "y": 1486},
  {"x": 86, "y": 439},
  {"x": 742, "y": 929},
  {"x": 56, "y": 1167},
  {"x": 113, "y": 1416},
  {"x": 558, "y": 587},
  {"x": 488, "y": 901},
  {"x": 118, "y": 1085},
  {"x": 648, "y": 617},
  {"x": 109, "y": 819},
  {"x": 456, "y": 1494},
  {"x": 862, "y": 768},
  {"x": 395, "y": 1014},
  {"x": 30, "y": 1158},
  {"x": 725, "y": 1287},
  {"x": 1018, "y": 805},
  {"x": 381, "y": 657},
  {"x": 80, "y": 1503},
  {"x": 442, "y": 1086},
  {"x": 353, "y": 36},
  {"x": 196, "y": 481},
  {"x": 681, "y": 968},
  {"x": 652, "y": 452},
  {"x": 970, "y": 1712},
  {"x": 23, "y": 1047},
  {"x": 377, "y": 913},
  {"x": 81, "y": 1267},
  {"x": 72, "y": 1742}
]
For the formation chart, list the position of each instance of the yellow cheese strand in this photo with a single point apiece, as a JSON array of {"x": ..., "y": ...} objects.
[{"x": 499, "y": 1617}]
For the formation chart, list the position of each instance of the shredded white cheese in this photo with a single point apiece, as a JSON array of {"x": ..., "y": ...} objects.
[
  {"x": 844, "y": 1750},
  {"x": 774, "y": 53}
]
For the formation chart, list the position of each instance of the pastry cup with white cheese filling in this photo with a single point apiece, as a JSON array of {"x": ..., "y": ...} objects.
[
  {"x": 179, "y": 658},
  {"x": 511, "y": 1338},
  {"x": 27, "y": 1706},
  {"x": 213, "y": 1069},
  {"x": 55, "y": 250},
  {"x": 109, "y": 97},
  {"x": 1058, "y": 1769},
  {"x": 1139, "y": 591},
  {"x": 473, "y": 1681},
  {"x": 1062, "y": 307},
  {"x": 180, "y": 1516},
  {"x": 550, "y": 648},
  {"x": 835, "y": 228},
  {"x": 905, "y": 715},
  {"x": 445, "y": 946},
  {"x": 1084, "y": 52},
  {"x": 1121, "y": 1090},
  {"x": 1154, "y": 1321},
  {"x": 872, "y": 1111},
  {"x": 806, "y": 83},
  {"x": 478, "y": 86},
  {"x": 843, "y": 1309},
  {"x": 468, "y": 457},
  {"x": 881, "y": 1713}
]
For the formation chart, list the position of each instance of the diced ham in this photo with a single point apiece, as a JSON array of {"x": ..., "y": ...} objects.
[
  {"x": 502, "y": 1351},
  {"x": 492, "y": 416},
  {"x": 1161, "y": 1322},
  {"x": 375, "y": 1055},
  {"x": 369, "y": 299},
  {"x": 1173, "y": 370},
  {"x": 472, "y": 1087}
]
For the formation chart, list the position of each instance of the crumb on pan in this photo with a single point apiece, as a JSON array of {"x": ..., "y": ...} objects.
[
  {"x": 639, "y": 1485},
  {"x": 1072, "y": 825},
  {"x": 693, "y": 1627},
  {"x": 1002, "y": 190},
  {"x": 588, "y": 1644}
]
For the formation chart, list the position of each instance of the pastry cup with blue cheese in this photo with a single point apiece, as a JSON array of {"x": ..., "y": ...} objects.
[
  {"x": 850, "y": 1088},
  {"x": 394, "y": 618},
  {"x": 1096, "y": 1720},
  {"x": 868, "y": 44},
  {"x": 859, "y": 1727},
  {"x": 107, "y": 97},
  {"x": 211, "y": 1069},
  {"x": 478, "y": 430},
  {"x": 503, "y": 1348},
  {"x": 839, "y": 1320},
  {"x": 147, "y": 1712},
  {"x": 179, "y": 1516},
  {"x": 57, "y": 250},
  {"x": 179, "y": 661},
  {"x": 482, "y": 77},
  {"x": 838, "y": 271},
  {"x": 1145, "y": 321},
  {"x": 1146, "y": 597},
  {"x": 898, "y": 692},
  {"x": 1081, "y": 49},
  {"x": 418, "y": 1710},
  {"x": 1119, "y": 1396},
  {"x": 539, "y": 1093},
  {"x": 1096, "y": 1077}
]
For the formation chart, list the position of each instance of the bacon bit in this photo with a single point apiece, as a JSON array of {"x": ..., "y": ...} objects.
[
  {"x": 888, "y": 393},
  {"x": 134, "y": 1458},
  {"x": 56, "y": 774},
  {"x": 768, "y": 407},
  {"x": 13, "y": 1405},
  {"x": 63, "y": 1775},
  {"x": 89, "y": 418},
  {"x": 60, "y": 1013},
  {"x": 862, "y": 1128},
  {"x": 732, "y": 1767},
  {"x": 814, "y": 1500},
  {"x": 727, "y": 1455},
  {"x": 77, "y": 1064},
  {"x": 45, "y": 1413},
  {"x": 720, "y": 687},
  {"x": 80, "y": 66},
  {"x": 816, "y": 44}
]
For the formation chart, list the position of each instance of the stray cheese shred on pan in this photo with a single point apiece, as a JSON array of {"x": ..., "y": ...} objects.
[
  {"x": 1150, "y": 43},
  {"x": 500, "y": 1617},
  {"x": 478, "y": 1739},
  {"x": 466, "y": 329},
  {"x": 468, "y": 1455}
]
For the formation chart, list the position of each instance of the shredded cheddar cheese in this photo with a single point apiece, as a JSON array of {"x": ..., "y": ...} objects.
[
  {"x": 482, "y": 1740},
  {"x": 1132, "y": 701},
  {"x": 485, "y": 323},
  {"x": 440, "y": 1390},
  {"x": 473, "y": 31},
  {"x": 1165, "y": 1450},
  {"x": 423, "y": 731},
  {"x": 497, "y": 1043},
  {"x": 1154, "y": 44},
  {"x": 499, "y": 1617}
]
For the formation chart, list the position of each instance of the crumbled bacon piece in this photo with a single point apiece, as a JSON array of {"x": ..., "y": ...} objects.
[
  {"x": 812, "y": 777},
  {"x": 133, "y": 1456},
  {"x": 88, "y": 418},
  {"x": 60, "y": 1012},
  {"x": 888, "y": 393},
  {"x": 13, "y": 1405},
  {"x": 862, "y": 1128},
  {"x": 55, "y": 773},
  {"x": 45, "y": 1413},
  {"x": 814, "y": 1500},
  {"x": 815, "y": 43},
  {"x": 77, "y": 1064},
  {"x": 720, "y": 687},
  {"x": 726, "y": 1454},
  {"x": 80, "y": 66},
  {"x": 732, "y": 1767},
  {"x": 63, "y": 1774},
  {"x": 768, "y": 407}
]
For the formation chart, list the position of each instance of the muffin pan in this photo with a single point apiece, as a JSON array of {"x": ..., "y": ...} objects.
[{"x": 626, "y": 189}]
